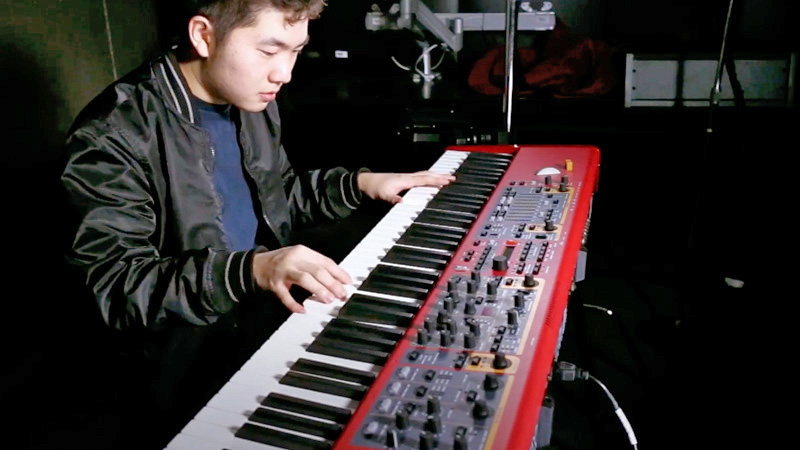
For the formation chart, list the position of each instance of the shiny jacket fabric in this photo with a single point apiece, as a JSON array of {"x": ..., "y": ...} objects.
[{"x": 149, "y": 237}]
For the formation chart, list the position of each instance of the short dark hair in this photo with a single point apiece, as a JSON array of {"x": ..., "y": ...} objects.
[{"x": 227, "y": 15}]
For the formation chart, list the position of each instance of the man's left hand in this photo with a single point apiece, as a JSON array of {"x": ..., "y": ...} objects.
[{"x": 388, "y": 186}]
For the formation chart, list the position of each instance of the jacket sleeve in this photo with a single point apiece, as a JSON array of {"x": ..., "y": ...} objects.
[
  {"x": 116, "y": 243},
  {"x": 316, "y": 195}
]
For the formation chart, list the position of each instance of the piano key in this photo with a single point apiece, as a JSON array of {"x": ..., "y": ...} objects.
[
  {"x": 245, "y": 392},
  {"x": 331, "y": 333},
  {"x": 287, "y": 421},
  {"x": 219, "y": 427},
  {"x": 389, "y": 333},
  {"x": 348, "y": 351},
  {"x": 377, "y": 314},
  {"x": 322, "y": 411},
  {"x": 324, "y": 385},
  {"x": 331, "y": 371},
  {"x": 188, "y": 442}
]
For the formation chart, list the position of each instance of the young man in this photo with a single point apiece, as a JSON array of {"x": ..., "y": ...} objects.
[{"x": 185, "y": 198}]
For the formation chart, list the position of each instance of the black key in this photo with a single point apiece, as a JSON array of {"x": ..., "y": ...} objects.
[
  {"x": 481, "y": 169},
  {"x": 383, "y": 332},
  {"x": 419, "y": 230},
  {"x": 279, "y": 419},
  {"x": 348, "y": 351},
  {"x": 417, "y": 258},
  {"x": 453, "y": 197},
  {"x": 356, "y": 338},
  {"x": 376, "y": 314},
  {"x": 399, "y": 281},
  {"x": 431, "y": 237},
  {"x": 455, "y": 206},
  {"x": 333, "y": 371},
  {"x": 312, "y": 383},
  {"x": 366, "y": 300},
  {"x": 280, "y": 439},
  {"x": 307, "y": 407},
  {"x": 460, "y": 221}
]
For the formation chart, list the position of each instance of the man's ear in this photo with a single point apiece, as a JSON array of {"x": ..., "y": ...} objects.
[{"x": 201, "y": 35}]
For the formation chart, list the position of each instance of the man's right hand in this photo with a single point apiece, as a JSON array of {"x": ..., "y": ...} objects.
[{"x": 278, "y": 270}]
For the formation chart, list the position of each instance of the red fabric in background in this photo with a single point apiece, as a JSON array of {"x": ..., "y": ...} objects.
[{"x": 563, "y": 66}]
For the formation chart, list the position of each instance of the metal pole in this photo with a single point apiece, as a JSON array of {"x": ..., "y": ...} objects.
[{"x": 511, "y": 37}]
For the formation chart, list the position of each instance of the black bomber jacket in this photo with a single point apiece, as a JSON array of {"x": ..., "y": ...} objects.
[{"x": 149, "y": 238}]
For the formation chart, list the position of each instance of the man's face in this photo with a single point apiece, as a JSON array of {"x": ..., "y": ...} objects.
[{"x": 252, "y": 63}]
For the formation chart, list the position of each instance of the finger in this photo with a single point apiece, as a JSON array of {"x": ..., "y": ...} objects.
[
  {"x": 288, "y": 301},
  {"x": 333, "y": 285},
  {"x": 335, "y": 271},
  {"x": 308, "y": 282}
]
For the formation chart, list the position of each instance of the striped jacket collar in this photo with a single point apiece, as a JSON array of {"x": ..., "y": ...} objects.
[{"x": 174, "y": 86}]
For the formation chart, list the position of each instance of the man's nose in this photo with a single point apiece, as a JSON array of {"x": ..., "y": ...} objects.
[{"x": 282, "y": 71}]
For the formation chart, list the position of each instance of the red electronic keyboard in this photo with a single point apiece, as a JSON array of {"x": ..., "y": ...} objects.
[{"x": 450, "y": 331}]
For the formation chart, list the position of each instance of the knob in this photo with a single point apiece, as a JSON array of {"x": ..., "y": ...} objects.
[
  {"x": 476, "y": 276},
  {"x": 391, "y": 439},
  {"x": 480, "y": 410},
  {"x": 500, "y": 361},
  {"x": 451, "y": 327},
  {"x": 422, "y": 336},
  {"x": 452, "y": 285},
  {"x": 469, "y": 307},
  {"x": 562, "y": 187},
  {"x": 430, "y": 325},
  {"x": 474, "y": 327},
  {"x": 529, "y": 281},
  {"x": 448, "y": 305},
  {"x": 547, "y": 180},
  {"x": 491, "y": 288},
  {"x": 513, "y": 317},
  {"x": 446, "y": 339},
  {"x": 434, "y": 405},
  {"x": 491, "y": 382},
  {"x": 500, "y": 262},
  {"x": 548, "y": 225},
  {"x": 442, "y": 317},
  {"x": 469, "y": 340},
  {"x": 434, "y": 424},
  {"x": 472, "y": 287},
  {"x": 519, "y": 299},
  {"x": 426, "y": 441},
  {"x": 460, "y": 442},
  {"x": 401, "y": 419}
]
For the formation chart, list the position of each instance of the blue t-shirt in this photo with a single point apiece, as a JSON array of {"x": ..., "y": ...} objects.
[{"x": 238, "y": 213}]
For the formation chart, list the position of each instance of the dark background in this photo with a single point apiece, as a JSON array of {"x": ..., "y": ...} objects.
[{"x": 689, "y": 359}]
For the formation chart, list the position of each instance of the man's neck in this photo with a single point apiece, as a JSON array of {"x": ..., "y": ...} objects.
[{"x": 191, "y": 71}]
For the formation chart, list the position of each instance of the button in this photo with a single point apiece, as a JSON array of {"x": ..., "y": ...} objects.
[
  {"x": 394, "y": 388},
  {"x": 430, "y": 375},
  {"x": 385, "y": 405},
  {"x": 420, "y": 391},
  {"x": 471, "y": 396},
  {"x": 404, "y": 372},
  {"x": 413, "y": 356},
  {"x": 371, "y": 430}
]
